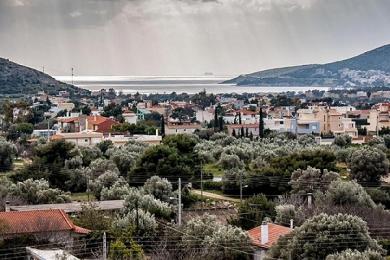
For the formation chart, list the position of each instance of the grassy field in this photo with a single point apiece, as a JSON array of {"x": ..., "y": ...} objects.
[
  {"x": 82, "y": 196},
  {"x": 213, "y": 169}
]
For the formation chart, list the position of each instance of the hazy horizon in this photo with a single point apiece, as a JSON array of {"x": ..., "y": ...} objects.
[{"x": 187, "y": 37}]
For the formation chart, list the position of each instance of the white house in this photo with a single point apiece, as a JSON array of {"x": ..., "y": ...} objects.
[{"x": 130, "y": 117}]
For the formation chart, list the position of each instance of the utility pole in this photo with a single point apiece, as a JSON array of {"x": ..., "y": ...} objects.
[
  {"x": 104, "y": 246},
  {"x": 179, "y": 202},
  {"x": 72, "y": 74},
  {"x": 136, "y": 215},
  {"x": 240, "y": 186},
  {"x": 201, "y": 182}
]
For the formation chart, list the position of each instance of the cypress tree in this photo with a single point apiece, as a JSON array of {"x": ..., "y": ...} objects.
[
  {"x": 234, "y": 132},
  {"x": 162, "y": 126},
  {"x": 261, "y": 124},
  {"x": 221, "y": 124},
  {"x": 216, "y": 118}
]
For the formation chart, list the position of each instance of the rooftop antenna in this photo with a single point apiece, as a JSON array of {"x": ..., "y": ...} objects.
[{"x": 72, "y": 75}]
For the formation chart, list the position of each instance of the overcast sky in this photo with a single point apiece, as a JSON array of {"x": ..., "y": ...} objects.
[{"x": 187, "y": 37}]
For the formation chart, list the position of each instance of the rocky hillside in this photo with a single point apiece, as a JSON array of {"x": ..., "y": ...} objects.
[{"x": 16, "y": 79}]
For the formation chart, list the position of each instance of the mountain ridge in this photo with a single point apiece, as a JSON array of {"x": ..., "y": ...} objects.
[{"x": 369, "y": 68}]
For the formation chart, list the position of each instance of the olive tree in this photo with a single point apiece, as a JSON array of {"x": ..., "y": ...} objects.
[
  {"x": 38, "y": 192},
  {"x": 142, "y": 221},
  {"x": 137, "y": 199},
  {"x": 229, "y": 161},
  {"x": 118, "y": 191},
  {"x": 287, "y": 212},
  {"x": 100, "y": 166},
  {"x": 356, "y": 255},
  {"x": 7, "y": 153},
  {"x": 323, "y": 235},
  {"x": 348, "y": 193},
  {"x": 160, "y": 188},
  {"x": 342, "y": 140},
  {"x": 216, "y": 239},
  {"x": 368, "y": 165},
  {"x": 311, "y": 179},
  {"x": 105, "y": 180}
]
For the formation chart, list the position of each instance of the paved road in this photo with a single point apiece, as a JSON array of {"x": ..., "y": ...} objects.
[{"x": 215, "y": 196}]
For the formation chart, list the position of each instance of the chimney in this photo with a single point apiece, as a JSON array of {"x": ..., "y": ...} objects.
[
  {"x": 291, "y": 223},
  {"x": 264, "y": 233},
  {"x": 86, "y": 124},
  {"x": 7, "y": 209},
  {"x": 156, "y": 132},
  {"x": 309, "y": 200}
]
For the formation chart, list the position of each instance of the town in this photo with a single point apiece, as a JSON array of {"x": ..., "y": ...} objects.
[{"x": 109, "y": 175}]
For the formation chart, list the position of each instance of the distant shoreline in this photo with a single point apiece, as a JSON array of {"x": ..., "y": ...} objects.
[{"x": 178, "y": 84}]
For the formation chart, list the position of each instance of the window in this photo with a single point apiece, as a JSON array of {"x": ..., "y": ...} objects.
[{"x": 86, "y": 140}]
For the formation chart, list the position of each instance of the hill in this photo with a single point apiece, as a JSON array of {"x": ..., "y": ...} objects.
[
  {"x": 16, "y": 79},
  {"x": 371, "y": 68}
]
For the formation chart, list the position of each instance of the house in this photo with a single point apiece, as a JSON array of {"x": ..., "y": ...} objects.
[
  {"x": 52, "y": 225},
  {"x": 68, "y": 106},
  {"x": 264, "y": 236},
  {"x": 89, "y": 123},
  {"x": 379, "y": 117},
  {"x": 119, "y": 140},
  {"x": 330, "y": 120},
  {"x": 44, "y": 133},
  {"x": 99, "y": 124},
  {"x": 183, "y": 128},
  {"x": 79, "y": 138},
  {"x": 130, "y": 117},
  {"x": 141, "y": 112},
  {"x": 248, "y": 128},
  {"x": 205, "y": 116},
  {"x": 284, "y": 124}
]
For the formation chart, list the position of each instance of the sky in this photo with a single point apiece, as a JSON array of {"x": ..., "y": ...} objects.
[{"x": 187, "y": 37}]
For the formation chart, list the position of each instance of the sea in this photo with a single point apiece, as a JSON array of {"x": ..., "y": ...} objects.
[{"x": 169, "y": 84}]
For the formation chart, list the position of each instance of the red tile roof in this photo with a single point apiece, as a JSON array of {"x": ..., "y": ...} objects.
[
  {"x": 37, "y": 221},
  {"x": 96, "y": 120},
  {"x": 274, "y": 232}
]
